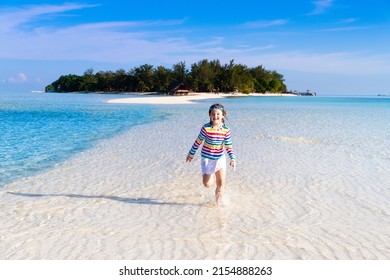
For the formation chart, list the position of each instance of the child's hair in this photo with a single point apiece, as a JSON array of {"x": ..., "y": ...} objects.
[{"x": 219, "y": 107}]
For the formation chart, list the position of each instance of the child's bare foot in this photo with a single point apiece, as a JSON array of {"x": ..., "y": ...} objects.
[{"x": 218, "y": 198}]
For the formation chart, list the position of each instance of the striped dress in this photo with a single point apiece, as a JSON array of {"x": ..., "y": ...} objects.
[{"x": 215, "y": 142}]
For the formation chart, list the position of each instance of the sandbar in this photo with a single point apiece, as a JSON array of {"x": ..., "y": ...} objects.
[
  {"x": 165, "y": 99},
  {"x": 183, "y": 99}
]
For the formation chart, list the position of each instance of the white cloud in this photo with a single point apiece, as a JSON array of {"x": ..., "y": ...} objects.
[
  {"x": 12, "y": 18},
  {"x": 349, "y": 20},
  {"x": 347, "y": 28},
  {"x": 321, "y": 6},
  {"x": 265, "y": 23},
  {"x": 120, "y": 41},
  {"x": 18, "y": 79},
  {"x": 115, "y": 25},
  {"x": 336, "y": 63}
]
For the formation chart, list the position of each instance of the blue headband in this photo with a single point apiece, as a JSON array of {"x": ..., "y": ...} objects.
[{"x": 216, "y": 107}]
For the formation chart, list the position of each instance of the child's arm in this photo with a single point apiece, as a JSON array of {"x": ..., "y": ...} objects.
[
  {"x": 229, "y": 146},
  {"x": 229, "y": 149},
  {"x": 196, "y": 145}
]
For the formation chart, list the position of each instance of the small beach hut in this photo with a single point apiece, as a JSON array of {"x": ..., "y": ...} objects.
[{"x": 182, "y": 88}]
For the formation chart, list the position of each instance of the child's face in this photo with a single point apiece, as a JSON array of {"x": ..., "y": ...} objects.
[{"x": 216, "y": 117}]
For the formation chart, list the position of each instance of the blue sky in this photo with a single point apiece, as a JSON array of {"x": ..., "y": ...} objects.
[{"x": 333, "y": 47}]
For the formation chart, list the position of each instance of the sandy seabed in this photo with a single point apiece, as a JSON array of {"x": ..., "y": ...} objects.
[{"x": 135, "y": 197}]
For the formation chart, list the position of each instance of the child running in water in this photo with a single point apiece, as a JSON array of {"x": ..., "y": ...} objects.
[{"x": 217, "y": 138}]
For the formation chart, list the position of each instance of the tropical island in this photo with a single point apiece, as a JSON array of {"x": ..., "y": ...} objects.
[{"x": 203, "y": 76}]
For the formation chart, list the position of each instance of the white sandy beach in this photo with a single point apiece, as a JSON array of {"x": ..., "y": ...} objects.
[
  {"x": 166, "y": 99},
  {"x": 134, "y": 197},
  {"x": 183, "y": 99}
]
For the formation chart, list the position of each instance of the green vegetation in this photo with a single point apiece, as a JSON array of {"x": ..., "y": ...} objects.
[{"x": 204, "y": 76}]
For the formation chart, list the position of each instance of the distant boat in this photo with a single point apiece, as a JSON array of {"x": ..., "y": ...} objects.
[{"x": 305, "y": 93}]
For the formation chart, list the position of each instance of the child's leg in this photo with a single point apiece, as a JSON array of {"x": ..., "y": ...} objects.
[
  {"x": 207, "y": 180},
  {"x": 220, "y": 176}
]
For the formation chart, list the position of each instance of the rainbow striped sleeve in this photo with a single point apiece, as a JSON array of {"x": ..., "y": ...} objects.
[
  {"x": 229, "y": 145},
  {"x": 198, "y": 141}
]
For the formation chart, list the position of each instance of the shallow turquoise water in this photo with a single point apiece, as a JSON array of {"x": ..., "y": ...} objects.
[{"x": 40, "y": 130}]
